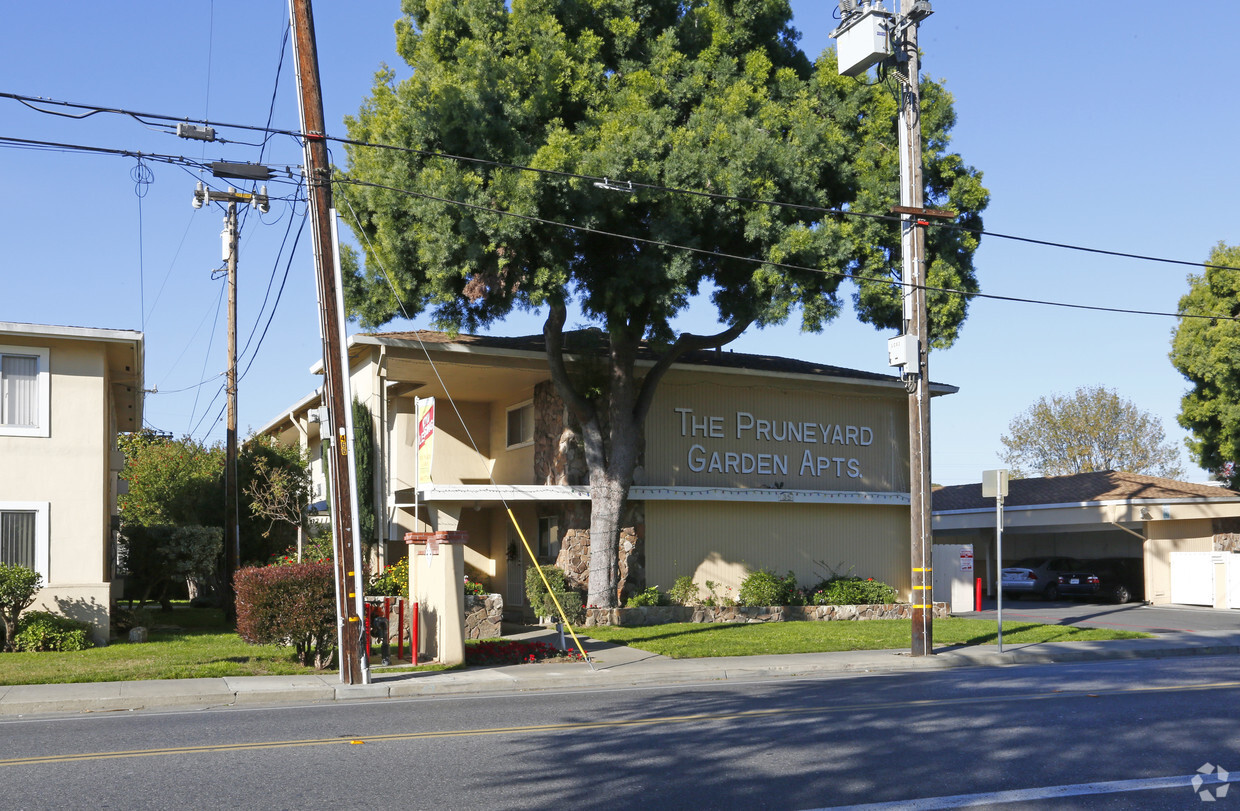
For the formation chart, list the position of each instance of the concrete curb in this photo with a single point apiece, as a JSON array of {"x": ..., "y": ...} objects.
[{"x": 616, "y": 666}]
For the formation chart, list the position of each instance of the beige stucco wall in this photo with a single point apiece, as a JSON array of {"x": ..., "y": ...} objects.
[
  {"x": 70, "y": 469},
  {"x": 715, "y": 430},
  {"x": 721, "y": 541},
  {"x": 1165, "y": 537},
  {"x": 515, "y": 466}
]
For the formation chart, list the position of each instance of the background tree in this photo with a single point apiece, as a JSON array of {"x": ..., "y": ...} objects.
[
  {"x": 1094, "y": 429},
  {"x": 712, "y": 97},
  {"x": 277, "y": 490},
  {"x": 364, "y": 469},
  {"x": 177, "y": 484},
  {"x": 1207, "y": 353}
]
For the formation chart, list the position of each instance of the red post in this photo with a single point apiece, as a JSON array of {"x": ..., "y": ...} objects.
[{"x": 977, "y": 595}]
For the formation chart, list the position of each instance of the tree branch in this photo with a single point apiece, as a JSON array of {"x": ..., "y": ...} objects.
[{"x": 684, "y": 344}]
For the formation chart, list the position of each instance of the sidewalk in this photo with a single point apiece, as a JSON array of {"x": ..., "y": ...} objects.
[{"x": 614, "y": 666}]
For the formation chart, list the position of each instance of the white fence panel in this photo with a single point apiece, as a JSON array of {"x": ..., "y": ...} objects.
[{"x": 1192, "y": 578}]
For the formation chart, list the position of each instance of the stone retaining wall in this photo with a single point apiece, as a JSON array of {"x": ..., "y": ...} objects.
[
  {"x": 662, "y": 614},
  {"x": 482, "y": 616}
]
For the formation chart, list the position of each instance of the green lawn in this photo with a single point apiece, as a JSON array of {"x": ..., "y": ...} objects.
[
  {"x": 195, "y": 643},
  {"x": 186, "y": 644},
  {"x": 688, "y": 640}
]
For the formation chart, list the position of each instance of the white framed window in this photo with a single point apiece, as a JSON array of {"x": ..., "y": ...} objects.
[
  {"x": 520, "y": 431},
  {"x": 23, "y": 535},
  {"x": 25, "y": 388}
]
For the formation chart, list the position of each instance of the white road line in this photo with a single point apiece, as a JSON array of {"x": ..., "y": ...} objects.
[{"x": 1044, "y": 793}]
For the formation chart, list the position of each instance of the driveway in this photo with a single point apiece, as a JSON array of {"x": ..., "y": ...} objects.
[{"x": 1130, "y": 616}]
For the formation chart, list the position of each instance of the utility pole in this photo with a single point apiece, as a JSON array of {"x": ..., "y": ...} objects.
[
  {"x": 913, "y": 252},
  {"x": 354, "y": 667},
  {"x": 232, "y": 532},
  {"x": 869, "y": 35}
]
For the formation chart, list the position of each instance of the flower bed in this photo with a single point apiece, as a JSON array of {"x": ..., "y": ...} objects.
[
  {"x": 662, "y": 614},
  {"x": 513, "y": 652}
]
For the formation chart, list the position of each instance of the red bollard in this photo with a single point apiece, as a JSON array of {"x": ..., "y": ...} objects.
[{"x": 977, "y": 596}]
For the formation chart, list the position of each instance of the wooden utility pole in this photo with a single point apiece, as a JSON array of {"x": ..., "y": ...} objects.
[
  {"x": 232, "y": 533},
  {"x": 349, "y": 593},
  {"x": 913, "y": 251}
]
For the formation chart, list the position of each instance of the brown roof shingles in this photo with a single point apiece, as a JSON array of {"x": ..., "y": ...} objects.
[{"x": 1105, "y": 485}]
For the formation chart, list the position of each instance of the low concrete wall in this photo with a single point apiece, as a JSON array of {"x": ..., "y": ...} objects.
[
  {"x": 483, "y": 615},
  {"x": 662, "y": 614}
]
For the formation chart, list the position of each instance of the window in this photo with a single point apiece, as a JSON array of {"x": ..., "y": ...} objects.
[
  {"x": 548, "y": 537},
  {"x": 23, "y": 535},
  {"x": 521, "y": 424},
  {"x": 24, "y": 388}
]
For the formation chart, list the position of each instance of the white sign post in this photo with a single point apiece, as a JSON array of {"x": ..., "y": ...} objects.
[{"x": 995, "y": 485}]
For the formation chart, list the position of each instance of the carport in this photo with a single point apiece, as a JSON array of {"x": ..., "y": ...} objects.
[{"x": 1105, "y": 514}]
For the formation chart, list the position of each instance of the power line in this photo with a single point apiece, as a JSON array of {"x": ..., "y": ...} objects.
[
  {"x": 839, "y": 212},
  {"x": 781, "y": 265}
]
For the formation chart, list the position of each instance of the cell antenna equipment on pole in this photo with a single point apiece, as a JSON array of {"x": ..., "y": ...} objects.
[{"x": 869, "y": 35}]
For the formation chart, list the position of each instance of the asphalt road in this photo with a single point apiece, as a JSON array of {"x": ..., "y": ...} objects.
[
  {"x": 794, "y": 743},
  {"x": 1130, "y": 616}
]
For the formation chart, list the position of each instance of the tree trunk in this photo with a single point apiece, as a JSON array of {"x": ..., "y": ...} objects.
[{"x": 612, "y": 448}]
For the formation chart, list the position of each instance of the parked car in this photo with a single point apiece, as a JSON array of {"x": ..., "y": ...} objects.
[
  {"x": 1078, "y": 584},
  {"x": 1122, "y": 579},
  {"x": 1038, "y": 576}
]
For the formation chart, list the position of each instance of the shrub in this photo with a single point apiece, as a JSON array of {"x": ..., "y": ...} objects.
[
  {"x": 44, "y": 631},
  {"x": 650, "y": 596},
  {"x": 684, "y": 591},
  {"x": 289, "y": 605},
  {"x": 392, "y": 581},
  {"x": 764, "y": 587},
  {"x": 18, "y": 585},
  {"x": 851, "y": 590}
]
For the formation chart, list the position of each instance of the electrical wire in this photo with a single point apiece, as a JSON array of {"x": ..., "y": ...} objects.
[
  {"x": 781, "y": 265},
  {"x": 187, "y": 162},
  {"x": 839, "y": 212}
]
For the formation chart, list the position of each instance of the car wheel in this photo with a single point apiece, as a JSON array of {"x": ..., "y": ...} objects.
[
  {"x": 1120, "y": 594},
  {"x": 1051, "y": 592}
]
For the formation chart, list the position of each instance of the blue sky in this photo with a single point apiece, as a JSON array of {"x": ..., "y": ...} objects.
[{"x": 1101, "y": 125}]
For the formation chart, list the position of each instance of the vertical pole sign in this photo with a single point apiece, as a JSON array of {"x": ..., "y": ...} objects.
[
  {"x": 424, "y": 412},
  {"x": 995, "y": 485}
]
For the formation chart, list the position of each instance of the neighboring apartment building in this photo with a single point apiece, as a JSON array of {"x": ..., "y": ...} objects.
[
  {"x": 750, "y": 461},
  {"x": 65, "y": 394}
]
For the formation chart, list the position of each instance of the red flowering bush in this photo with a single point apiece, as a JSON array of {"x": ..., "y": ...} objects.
[
  {"x": 289, "y": 605},
  {"x": 512, "y": 652}
]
